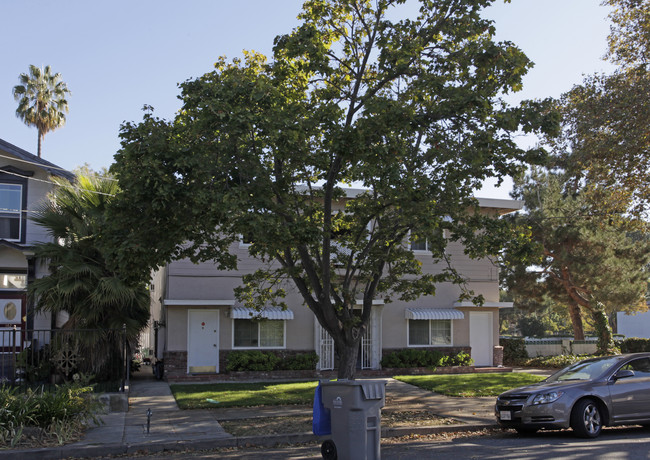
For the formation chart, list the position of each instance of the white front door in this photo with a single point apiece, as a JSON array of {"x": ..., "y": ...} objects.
[
  {"x": 480, "y": 337},
  {"x": 202, "y": 341}
]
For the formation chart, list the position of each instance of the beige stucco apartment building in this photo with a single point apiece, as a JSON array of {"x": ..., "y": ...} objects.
[{"x": 201, "y": 322}]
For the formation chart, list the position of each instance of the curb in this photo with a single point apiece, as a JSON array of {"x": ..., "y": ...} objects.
[{"x": 64, "y": 452}]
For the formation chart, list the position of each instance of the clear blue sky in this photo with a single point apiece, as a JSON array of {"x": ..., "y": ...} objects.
[{"x": 118, "y": 55}]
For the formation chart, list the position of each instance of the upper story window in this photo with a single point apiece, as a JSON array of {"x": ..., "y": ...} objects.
[
  {"x": 11, "y": 211},
  {"x": 245, "y": 240},
  {"x": 420, "y": 244},
  {"x": 423, "y": 244}
]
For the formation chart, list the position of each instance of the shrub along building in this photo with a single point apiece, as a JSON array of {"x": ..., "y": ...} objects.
[
  {"x": 24, "y": 184},
  {"x": 201, "y": 323}
]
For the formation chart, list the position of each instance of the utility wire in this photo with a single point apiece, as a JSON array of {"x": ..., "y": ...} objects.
[{"x": 49, "y": 167}]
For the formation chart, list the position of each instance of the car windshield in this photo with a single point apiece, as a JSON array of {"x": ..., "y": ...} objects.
[{"x": 585, "y": 370}]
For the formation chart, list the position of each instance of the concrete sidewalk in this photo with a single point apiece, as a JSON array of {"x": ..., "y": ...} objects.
[{"x": 173, "y": 429}]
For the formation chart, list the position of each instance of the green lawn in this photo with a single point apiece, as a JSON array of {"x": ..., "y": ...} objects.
[
  {"x": 204, "y": 396},
  {"x": 200, "y": 396},
  {"x": 469, "y": 385}
]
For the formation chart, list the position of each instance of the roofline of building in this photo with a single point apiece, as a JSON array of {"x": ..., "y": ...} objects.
[
  {"x": 502, "y": 205},
  {"x": 33, "y": 159}
]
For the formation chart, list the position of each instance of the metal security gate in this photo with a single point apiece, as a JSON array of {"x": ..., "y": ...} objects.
[
  {"x": 366, "y": 349},
  {"x": 326, "y": 349}
]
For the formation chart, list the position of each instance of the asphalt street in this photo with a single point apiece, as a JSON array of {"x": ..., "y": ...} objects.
[{"x": 629, "y": 443}]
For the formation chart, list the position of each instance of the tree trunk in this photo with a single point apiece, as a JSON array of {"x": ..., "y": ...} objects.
[
  {"x": 40, "y": 140},
  {"x": 348, "y": 352},
  {"x": 576, "y": 321}
]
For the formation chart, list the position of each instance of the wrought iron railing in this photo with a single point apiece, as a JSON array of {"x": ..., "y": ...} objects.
[{"x": 30, "y": 357}]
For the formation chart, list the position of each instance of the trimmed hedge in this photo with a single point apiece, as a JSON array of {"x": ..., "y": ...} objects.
[
  {"x": 254, "y": 360},
  {"x": 554, "y": 362},
  {"x": 418, "y": 357},
  {"x": 514, "y": 350},
  {"x": 634, "y": 345}
]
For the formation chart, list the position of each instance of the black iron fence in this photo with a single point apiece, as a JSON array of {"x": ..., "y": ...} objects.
[{"x": 30, "y": 357}]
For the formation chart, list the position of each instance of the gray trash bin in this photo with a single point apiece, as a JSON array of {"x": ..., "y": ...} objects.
[{"x": 355, "y": 409}]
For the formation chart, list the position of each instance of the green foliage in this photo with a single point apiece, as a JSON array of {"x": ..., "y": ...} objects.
[
  {"x": 535, "y": 317},
  {"x": 590, "y": 215},
  {"x": 460, "y": 359},
  {"x": 255, "y": 360},
  {"x": 299, "y": 362},
  {"x": 471, "y": 385},
  {"x": 634, "y": 345},
  {"x": 604, "y": 143},
  {"x": 411, "y": 357},
  {"x": 514, "y": 350},
  {"x": 60, "y": 413},
  {"x": 531, "y": 326},
  {"x": 420, "y": 357},
  {"x": 252, "y": 360},
  {"x": 80, "y": 282},
  {"x": 629, "y": 41},
  {"x": 410, "y": 109},
  {"x": 580, "y": 256},
  {"x": 554, "y": 362},
  {"x": 41, "y": 98},
  {"x": 36, "y": 363}
]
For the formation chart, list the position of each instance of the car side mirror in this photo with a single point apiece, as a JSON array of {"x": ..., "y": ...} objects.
[{"x": 623, "y": 374}]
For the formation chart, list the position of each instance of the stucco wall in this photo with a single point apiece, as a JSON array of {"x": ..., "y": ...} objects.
[{"x": 205, "y": 282}]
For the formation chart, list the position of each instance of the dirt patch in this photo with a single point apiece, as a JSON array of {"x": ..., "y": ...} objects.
[{"x": 303, "y": 424}]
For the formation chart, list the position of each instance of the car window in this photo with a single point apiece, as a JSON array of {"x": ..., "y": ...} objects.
[
  {"x": 641, "y": 367},
  {"x": 585, "y": 370}
]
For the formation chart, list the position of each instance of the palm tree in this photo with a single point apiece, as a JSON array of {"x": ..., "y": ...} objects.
[
  {"x": 41, "y": 99},
  {"x": 80, "y": 282}
]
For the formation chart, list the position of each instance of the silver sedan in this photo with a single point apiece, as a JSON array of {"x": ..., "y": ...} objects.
[{"x": 585, "y": 396}]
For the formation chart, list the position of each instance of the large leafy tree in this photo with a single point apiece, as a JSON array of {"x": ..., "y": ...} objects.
[
  {"x": 585, "y": 257},
  {"x": 587, "y": 216},
  {"x": 80, "y": 283},
  {"x": 42, "y": 102},
  {"x": 605, "y": 137},
  {"x": 408, "y": 109}
]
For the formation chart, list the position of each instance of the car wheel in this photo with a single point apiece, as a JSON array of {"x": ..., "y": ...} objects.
[
  {"x": 586, "y": 419},
  {"x": 526, "y": 430}
]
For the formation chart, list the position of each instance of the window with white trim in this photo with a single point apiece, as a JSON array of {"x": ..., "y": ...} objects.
[
  {"x": 429, "y": 332},
  {"x": 11, "y": 200},
  {"x": 419, "y": 244},
  {"x": 249, "y": 333},
  {"x": 245, "y": 241}
]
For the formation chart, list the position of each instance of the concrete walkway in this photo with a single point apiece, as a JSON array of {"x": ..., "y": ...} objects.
[{"x": 172, "y": 429}]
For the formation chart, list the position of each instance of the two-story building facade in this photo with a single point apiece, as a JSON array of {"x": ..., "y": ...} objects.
[
  {"x": 201, "y": 322},
  {"x": 24, "y": 184}
]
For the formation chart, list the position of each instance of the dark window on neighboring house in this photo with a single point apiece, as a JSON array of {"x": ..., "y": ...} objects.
[
  {"x": 11, "y": 212},
  {"x": 13, "y": 203}
]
